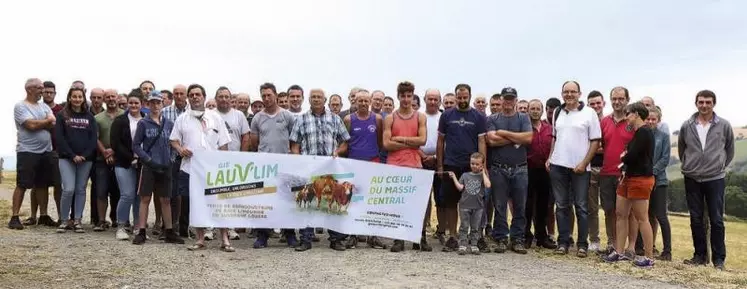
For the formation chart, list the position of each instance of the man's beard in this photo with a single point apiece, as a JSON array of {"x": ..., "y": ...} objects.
[{"x": 463, "y": 106}]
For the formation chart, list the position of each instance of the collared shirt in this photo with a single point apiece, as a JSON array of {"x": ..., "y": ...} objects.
[
  {"x": 319, "y": 134},
  {"x": 539, "y": 149},
  {"x": 574, "y": 130},
  {"x": 616, "y": 135},
  {"x": 172, "y": 112}
]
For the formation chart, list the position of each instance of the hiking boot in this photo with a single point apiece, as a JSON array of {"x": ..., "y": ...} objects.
[
  {"x": 351, "y": 242},
  {"x": 375, "y": 242},
  {"x": 483, "y": 246},
  {"x": 501, "y": 247},
  {"x": 665, "y": 256},
  {"x": 451, "y": 245},
  {"x": 337, "y": 246},
  {"x": 15, "y": 223},
  {"x": 261, "y": 242},
  {"x": 518, "y": 248},
  {"x": 424, "y": 246},
  {"x": 398, "y": 246},
  {"x": 171, "y": 237}
]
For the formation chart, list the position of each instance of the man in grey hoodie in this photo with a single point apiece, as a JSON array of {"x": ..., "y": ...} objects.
[{"x": 706, "y": 147}]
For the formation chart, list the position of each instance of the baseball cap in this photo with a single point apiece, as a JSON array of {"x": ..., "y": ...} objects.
[
  {"x": 155, "y": 95},
  {"x": 509, "y": 92}
]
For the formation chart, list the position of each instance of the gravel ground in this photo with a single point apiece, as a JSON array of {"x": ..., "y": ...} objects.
[{"x": 40, "y": 258}]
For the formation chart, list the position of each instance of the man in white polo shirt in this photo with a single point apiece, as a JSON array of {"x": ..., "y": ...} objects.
[
  {"x": 576, "y": 134},
  {"x": 199, "y": 129},
  {"x": 432, "y": 101}
]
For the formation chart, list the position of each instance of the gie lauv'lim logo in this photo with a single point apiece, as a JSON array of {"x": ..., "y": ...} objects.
[{"x": 462, "y": 122}]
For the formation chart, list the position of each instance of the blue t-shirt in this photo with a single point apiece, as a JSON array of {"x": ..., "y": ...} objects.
[
  {"x": 511, "y": 154},
  {"x": 461, "y": 130},
  {"x": 38, "y": 141}
]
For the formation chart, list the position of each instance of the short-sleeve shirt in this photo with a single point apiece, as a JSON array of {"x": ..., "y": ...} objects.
[
  {"x": 573, "y": 131},
  {"x": 236, "y": 125},
  {"x": 38, "y": 141},
  {"x": 511, "y": 154},
  {"x": 319, "y": 135},
  {"x": 615, "y": 136},
  {"x": 206, "y": 133},
  {"x": 273, "y": 131},
  {"x": 473, "y": 193},
  {"x": 461, "y": 131}
]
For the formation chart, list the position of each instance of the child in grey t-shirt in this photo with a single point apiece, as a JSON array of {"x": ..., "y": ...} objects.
[{"x": 471, "y": 205}]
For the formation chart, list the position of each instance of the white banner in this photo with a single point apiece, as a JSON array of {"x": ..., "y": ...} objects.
[{"x": 263, "y": 190}]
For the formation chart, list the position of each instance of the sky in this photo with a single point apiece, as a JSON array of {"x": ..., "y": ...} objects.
[{"x": 665, "y": 49}]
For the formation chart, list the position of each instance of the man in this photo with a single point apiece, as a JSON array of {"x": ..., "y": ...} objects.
[
  {"x": 538, "y": 190},
  {"x": 428, "y": 156},
  {"x": 154, "y": 130},
  {"x": 450, "y": 101},
  {"x": 199, "y": 129},
  {"x": 168, "y": 98},
  {"x": 283, "y": 100},
  {"x": 480, "y": 104},
  {"x": 706, "y": 147},
  {"x": 377, "y": 101},
  {"x": 335, "y": 103},
  {"x": 238, "y": 130},
  {"x": 495, "y": 104},
  {"x": 415, "y": 102},
  {"x": 255, "y": 107},
  {"x": 295, "y": 97},
  {"x": 649, "y": 103},
  {"x": 122, "y": 101},
  {"x": 270, "y": 133},
  {"x": 97, "y": 101},
  {"x": 33, "y": 152},
  {"x": 106, "y": 183},
  {"x": 508, "y": 134},
  {"x": 550, "y": 105},
  {"x": 172, "y": 112},
  {"x": 461, "y": 132},
  {"x": 329, "y": 139},
  {"x": 388, "y": 106},
  {"x": 48, "y": 96},
  {"x": 576, "y": 135},
  {"x": 351, "y": 99},
  {"x": 242, "y": 104},
  {"x": 595, "y": 99},
  {"x": 404, "y": 132},
  {"x": 365, "y": 129},
  {"x": 522, "y": 106}
]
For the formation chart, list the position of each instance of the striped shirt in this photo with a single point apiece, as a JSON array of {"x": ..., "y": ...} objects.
[
  {"x": 171, "y": 112},
  {"x": 319, "y": 135}
]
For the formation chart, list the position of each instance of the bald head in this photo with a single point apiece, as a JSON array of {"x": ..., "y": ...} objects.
[
  {"x": 180, "y": 96},
  {"x": 648, "y": 102},
  {"x": 432, "y": 100}
]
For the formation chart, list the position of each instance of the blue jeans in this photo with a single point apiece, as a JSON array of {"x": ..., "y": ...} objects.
[
  {"x": 571, "y": 188},
  {"x": 127, "y": 179},
  {"x": 699, "y": 196},
  {"x": 509, "y": 183},
  {"x": 74, "y": 178}
]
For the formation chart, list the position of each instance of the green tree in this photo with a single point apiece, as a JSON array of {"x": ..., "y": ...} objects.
[{"x": 736, "y": 202}]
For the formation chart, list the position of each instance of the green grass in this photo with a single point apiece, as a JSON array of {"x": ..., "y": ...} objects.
[{"x": 740, "y": 155}]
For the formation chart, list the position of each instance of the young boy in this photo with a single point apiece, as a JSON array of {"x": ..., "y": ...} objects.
[{"x": 471, "y": 204}]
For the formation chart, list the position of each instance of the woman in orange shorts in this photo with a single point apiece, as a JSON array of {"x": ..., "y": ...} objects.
[{"x": 635, "y": 186}]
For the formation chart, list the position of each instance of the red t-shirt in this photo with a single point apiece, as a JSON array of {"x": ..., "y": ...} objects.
[
  {"x": 539, "y": 149},
  {"x": 616, "y": 137}
]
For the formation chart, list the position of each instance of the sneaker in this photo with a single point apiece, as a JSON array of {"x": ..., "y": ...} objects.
[
  {"x": 696, "y": 261},
  {"x": 139, "y": 239},
  {"x": 122, "y": 234},
  {"x": 424, "y": 246},
  {"x": 100, "y": 227},
  {"x": 46, "y": 220},
  {"x": 628, "y": 256},
  {"x": 462, "y": 250},
  {"x": 260, "y": 243},
  {"x": 398, "y": 246},
  {"x": 451, "y": 245},
  {"x": 474, "y": 250},
  {"x": 232, "y": 235},
  {"x": 78, "y": 227},
  {"x": 561, "y": 250},
  {"x": 719, "y": 265},
  {"x": 337, "y": 246},
  {"x": 62, "y": 228},
  {"x": 171, "y": 237},
  {"x": 518, "y": 248},
  {"x": 612, "y": 257},
  {"x": 644, "y": 262},
  {"x": 581, "y": 253},
  {"x": 483, "y": 246},
  {"x": 30, "y": 221},
  {"x": 351, "y": 242},
  {"x": 501, "y": 247},
  {"x": 375, "y": 242},
  {"x": 209, "y": 235},
  {"x": 665, "y": 256},
  {"x": 15, "y": 223},
  {"x": 594, "y": 247}
]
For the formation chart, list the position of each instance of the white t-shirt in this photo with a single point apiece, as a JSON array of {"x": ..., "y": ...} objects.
[
  {"x": 195, "y": 136},
  {"x": 573, "y": 130},
  {"x": 236, "y": 125},
  {"x": 133, "y": 124},
  {"x": 431, "y": 122}
]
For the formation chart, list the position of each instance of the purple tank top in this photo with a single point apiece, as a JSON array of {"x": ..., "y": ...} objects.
[{"x": 363, "y": 144}]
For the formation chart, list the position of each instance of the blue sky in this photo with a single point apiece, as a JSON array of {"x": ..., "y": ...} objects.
[{"x": 666, "y": 49}]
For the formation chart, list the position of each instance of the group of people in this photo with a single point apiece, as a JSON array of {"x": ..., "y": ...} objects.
[{"x": 544, "y": 171}]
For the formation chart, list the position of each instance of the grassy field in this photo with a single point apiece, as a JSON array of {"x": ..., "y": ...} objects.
[{"x": 740, "y": 155}]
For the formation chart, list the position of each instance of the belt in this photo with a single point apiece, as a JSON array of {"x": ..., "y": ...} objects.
[{"x": 504, "y": 166}]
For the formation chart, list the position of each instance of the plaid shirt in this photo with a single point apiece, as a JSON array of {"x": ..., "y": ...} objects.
[
  {"x": 319, "y": 135},
  {"x": 171, "y": 112}
]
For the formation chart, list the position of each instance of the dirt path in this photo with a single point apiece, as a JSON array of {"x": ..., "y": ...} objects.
[{"x": 39, "y": 257}]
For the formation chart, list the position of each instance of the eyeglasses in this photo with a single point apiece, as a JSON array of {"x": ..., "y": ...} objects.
[{"x": 570, "y": 91}]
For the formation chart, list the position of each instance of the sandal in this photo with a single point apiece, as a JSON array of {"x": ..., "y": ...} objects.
[
  {"x": 197, "y": 247},
  {"x": 227, "y": 248}
]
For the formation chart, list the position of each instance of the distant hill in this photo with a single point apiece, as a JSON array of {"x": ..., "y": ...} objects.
[
  {"x": 9, "y": 163},
  {"x": 738, "y": 165}
]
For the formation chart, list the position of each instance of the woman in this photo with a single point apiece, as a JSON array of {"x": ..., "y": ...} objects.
[
  {"x": 75, "y": 139},
  {"x": 658, "y": 204},
  {"x": 122, "y": 133},
  {"x": 635, "y": 186}
]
